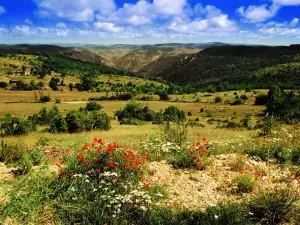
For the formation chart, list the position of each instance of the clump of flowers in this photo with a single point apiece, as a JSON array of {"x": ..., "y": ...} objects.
[
  {"x": 102, "y": 176},
  {"x": 194, "y": 156},
  {"x": 197, "y": 150}
]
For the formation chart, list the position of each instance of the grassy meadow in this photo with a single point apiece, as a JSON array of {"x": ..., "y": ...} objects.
[{"x": 214, "y": 167}]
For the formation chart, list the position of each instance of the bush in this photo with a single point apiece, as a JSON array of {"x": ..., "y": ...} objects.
[
  {"x": 3, "y": 84},
  {"x": 285, "y": 106},
  {"x": 218, "y": 99},
  {"x": 16, "y": 126},
  {"x": 136, "y": 111},
  {"x": 173, "y": 114},
  {"x": 238, "y": 101},
  {"x": 163, "y": 96},
  {"x": 130, "y": 121},
  {"x": 59, "y": 125},
  {"x": 279, "y": 153},
  {"x": 244, "y": 184},
  {"x": 78, "y": 121},
  {"x": 53, "y": 84},
  {"x": 45, "y": 99},
  {"x": 261, "y": 99},
  {"x": 57, "y": 101},
  {"x": 45, "y": 116},
  {"x": 176, "y": 133},
  {"x": 91, "y": 106},
  {"x": 158, "y": 118},
  {"x": 272, "y": 208}
]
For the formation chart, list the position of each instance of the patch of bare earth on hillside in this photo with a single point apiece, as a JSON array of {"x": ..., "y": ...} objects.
[{"x": 198, "y": 190}]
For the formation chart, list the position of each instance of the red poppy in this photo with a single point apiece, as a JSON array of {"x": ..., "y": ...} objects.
[
  {"x": 61, "y": 170},
  {"x": 97, "y": 171},
  {"x": 147, "y": 186}
]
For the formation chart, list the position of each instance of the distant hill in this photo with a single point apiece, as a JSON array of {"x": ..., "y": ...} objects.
[
  {"x": 235, "y": 66},
  {"x": 71, "y": 52}
]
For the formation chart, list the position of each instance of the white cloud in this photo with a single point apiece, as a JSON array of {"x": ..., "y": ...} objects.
[
  {"x": 256, "y": 14},
  {"x": 169, "y": 7},
  {"x": 294, "y": 22},
  {"x": 81, "y": 11},
  {"x": 108, "y": 27},
  {"x": 62, "y": 33},
  {"x": 284, "y": 29},
  {"x": 3, "y": 30},
  {"x": 210, "y": 20},
  {"x": 61, "y": 25},
  {"x": 2, "y": 10},
  {"x": 27, "y": 21},
  {"x": 23, "y": 30},
  {"x": 287, "y": 2}
]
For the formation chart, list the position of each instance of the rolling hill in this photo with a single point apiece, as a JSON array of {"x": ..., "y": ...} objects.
[{"x": 236, "y": 66}]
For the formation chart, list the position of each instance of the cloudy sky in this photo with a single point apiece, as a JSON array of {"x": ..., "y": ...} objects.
[{"x": 270, "y": 22}]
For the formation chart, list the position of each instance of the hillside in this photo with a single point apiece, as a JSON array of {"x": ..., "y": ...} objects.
[
  {"x": 143, "y": 59},
  {"x": 235, "y": 65}
]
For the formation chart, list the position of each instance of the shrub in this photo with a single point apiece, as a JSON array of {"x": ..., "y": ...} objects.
[
  {"x": 244, "y": 183},
  {"x": 42, "y": 96},
  {"x": 261, "y": 99},
  {"x": 285, "y": 106},
  {"x": 238, "y": 101},
  {"x": 58, "y": 125},
  {"x": 218, "y": 99},
  {"x": 3, "y": 84},
  {"x": 45, "y": 99},
  {"x": 272, "y": 208},
  {"x": 158, "y": 118},
  {"x": 45, "y": 116},
  {"x": 268, "y": 125},
  {"x": 78, "y": 121},
  {"x": 130, "y": 121},
  {"x": 91, "y": 106},
  {"x": 163, "y": 95},
  {"x": 176, "y": 133},
  {"x": 136, "y": 111},
  {"x": 53, "y": 84},
  {"x": 173, "y": 114},
  {"x": 16, "y": 126},
  {"x": 57, "y": 101}
]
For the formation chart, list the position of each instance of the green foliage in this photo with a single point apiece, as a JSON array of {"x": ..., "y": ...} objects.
[
  {"x": 130, "y": 121},
  {"x": 136, "y": 111},
  {"x": 285, "y": 106},
  {"x": 173, "y": 114},
  {"x": 218, "y": 99},
  {"x": 3, "y": 84},
  {"x": 163, "y": 96},
  {"x": 78, "y": 121},
  {"x": 222, "y": 214},
  {"x": 175, "y": 133},
  {"x": 16, "y": 126},
  {"x": 238, "y": 101},
  {"x": 53, "y": 84},
  {"x": 45, "y": 116},
  {"x": 240, "y": 67},
  {"x": 91, "y": 106},
  {"x": 272, "y": 208},
  {"x": 268, "y": 125},
  {"x": 57, "y": 101},
  {"x": 244, "y": 183},
  {"x": 261, "y": 99},
  {"x": 30, "y": 195},
  {"x": 58, "y": 125},
  {"x": 45, "y": 99}
]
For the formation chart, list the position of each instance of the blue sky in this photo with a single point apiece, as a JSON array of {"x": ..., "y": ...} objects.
[{"x": 272, "y": 22}]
